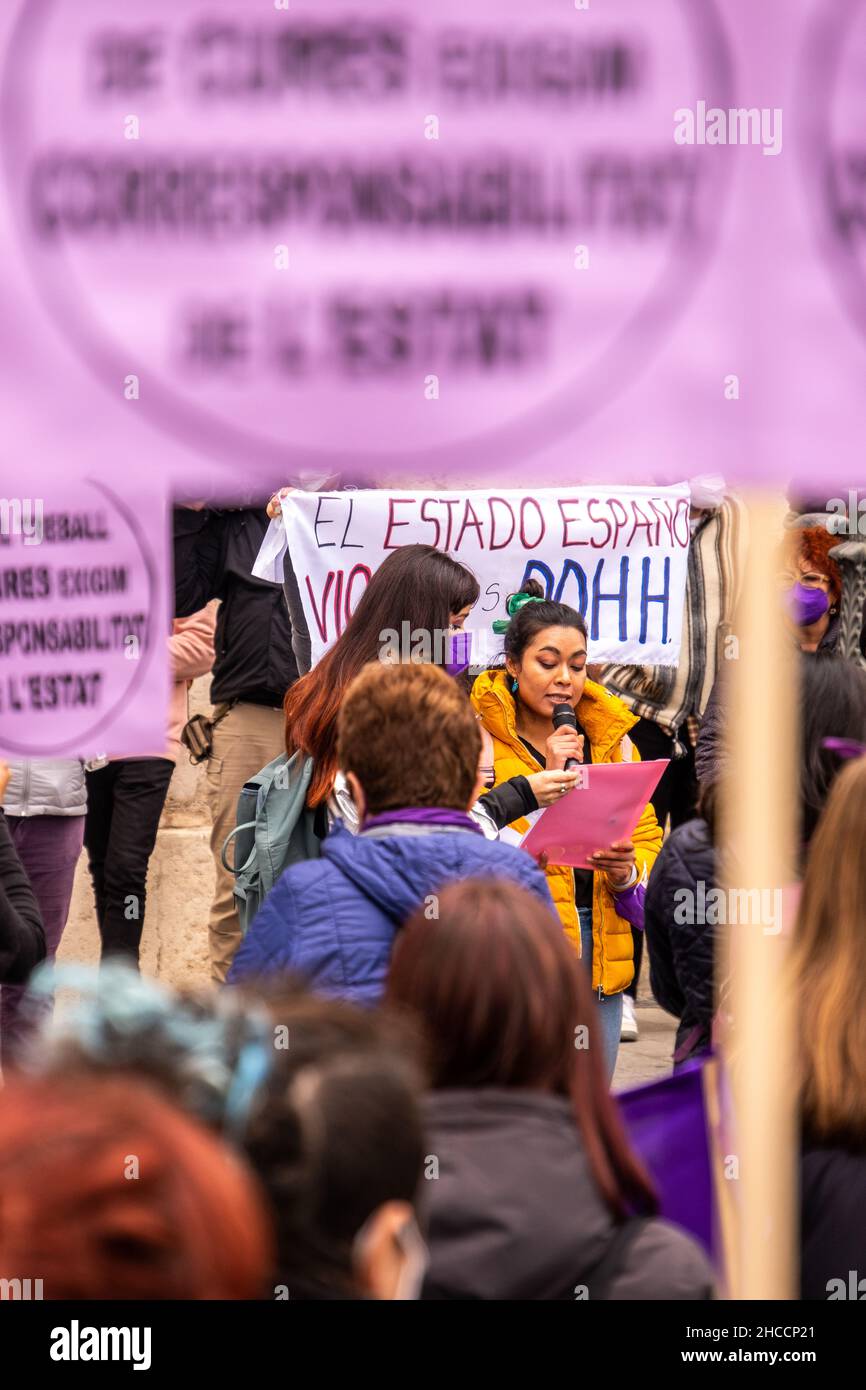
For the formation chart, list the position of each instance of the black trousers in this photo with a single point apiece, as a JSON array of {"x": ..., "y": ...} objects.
[
  {"x": 676, "y": 796},
  {"x": 124, "y": 804}
]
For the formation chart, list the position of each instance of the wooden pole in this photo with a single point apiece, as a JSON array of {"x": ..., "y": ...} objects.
[{"x": 760, "y": 825}]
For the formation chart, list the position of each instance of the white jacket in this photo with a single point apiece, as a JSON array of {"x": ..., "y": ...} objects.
[{"x": 46, "y": 787}]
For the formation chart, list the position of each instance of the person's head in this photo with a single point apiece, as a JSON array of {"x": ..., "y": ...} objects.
[
  {"x": 811, "y": 577},
  {"x": 336, "y": 1139},
  {"x": 545, "y": 652},
  {"x": 109, "y": 1192},
  {"x": 832, "y": 705},
  {"x": 207, "y": 1053},
  {"x": 417, "y": 585},
  {"x": 504, "y": 1002},
  {"x": 408, "y": 736},
  {"x": 828, "y": 966}
]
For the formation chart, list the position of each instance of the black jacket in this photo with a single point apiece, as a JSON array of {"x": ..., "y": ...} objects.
[
  {"x": 509, "y": 801},
  {"x": 513, "y": 1211},
  {"x": 214, "y": 553},
  {"x": 681, "y": 951},
  {"x": 832, "y": 1223},
  {"x": 710, "y": 753},
  {"x": 22, "y": 939}
]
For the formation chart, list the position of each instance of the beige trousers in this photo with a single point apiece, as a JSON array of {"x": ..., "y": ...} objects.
[{"x": 249, "y": 737}]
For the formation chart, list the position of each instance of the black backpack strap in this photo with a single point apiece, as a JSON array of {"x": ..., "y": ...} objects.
[{"x": 610, "y": 1266}]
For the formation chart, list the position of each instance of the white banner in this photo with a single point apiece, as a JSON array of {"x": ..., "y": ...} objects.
[{"x": 619, "y": 556}]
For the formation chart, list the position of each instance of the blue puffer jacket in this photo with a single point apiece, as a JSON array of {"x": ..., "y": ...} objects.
[{"x": 334, "y": 919}]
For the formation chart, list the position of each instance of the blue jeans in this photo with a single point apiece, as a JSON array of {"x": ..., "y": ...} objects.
[{"x": 608, "y": 1009}]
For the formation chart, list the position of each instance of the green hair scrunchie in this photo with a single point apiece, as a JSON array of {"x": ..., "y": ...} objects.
[{"x": 513, "y": 605}]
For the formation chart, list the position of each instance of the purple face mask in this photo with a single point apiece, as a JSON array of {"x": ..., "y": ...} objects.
[
  {"x": 459, "y": 652},
  {"x": 804, "y": 605}
]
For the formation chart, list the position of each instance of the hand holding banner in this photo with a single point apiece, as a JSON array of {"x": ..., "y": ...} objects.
[{"x": 619, "y": 556}]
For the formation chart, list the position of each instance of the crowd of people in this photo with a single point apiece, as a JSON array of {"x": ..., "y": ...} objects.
[{"x": 401, "y": 1086}]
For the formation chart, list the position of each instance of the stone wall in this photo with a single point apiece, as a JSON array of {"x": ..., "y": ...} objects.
[{"x": 179, "y": 883}]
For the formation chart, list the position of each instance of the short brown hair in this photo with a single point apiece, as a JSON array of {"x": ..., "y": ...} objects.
[{"x": 410, "y": 736}]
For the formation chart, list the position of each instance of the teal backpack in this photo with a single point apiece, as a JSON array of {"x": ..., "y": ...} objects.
[{"x": 275, "y": 828}]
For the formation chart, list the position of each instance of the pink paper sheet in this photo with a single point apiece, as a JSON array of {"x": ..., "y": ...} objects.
[{"x": 605, "y": 808}]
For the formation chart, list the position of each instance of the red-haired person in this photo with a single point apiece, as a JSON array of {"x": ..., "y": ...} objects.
[
  {"x": 537, "y": 1192},
  {"x": 812, "y": 582},
  {"x": 188, "y": 1221},
  {"x": 416, "y": 584}
]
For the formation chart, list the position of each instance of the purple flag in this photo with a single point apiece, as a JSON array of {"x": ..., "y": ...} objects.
[{"x": 667, "y": 1123}]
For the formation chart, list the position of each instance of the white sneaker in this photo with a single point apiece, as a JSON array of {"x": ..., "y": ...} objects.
[{"x": 628, "y": 1031}]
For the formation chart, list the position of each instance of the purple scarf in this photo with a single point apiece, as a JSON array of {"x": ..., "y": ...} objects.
[{"x": 422, "y": 815}]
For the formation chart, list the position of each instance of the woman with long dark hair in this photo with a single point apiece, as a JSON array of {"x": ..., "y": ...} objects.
[
  {"x": 416, "y": 590},
  {"x": 418, "y": 585},
  {"x": 538, "y": 1193}
]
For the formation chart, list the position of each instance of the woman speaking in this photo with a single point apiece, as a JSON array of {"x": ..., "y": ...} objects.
[{"x": 545, "y": 666}]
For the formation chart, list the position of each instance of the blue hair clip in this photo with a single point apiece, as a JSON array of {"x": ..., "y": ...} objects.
[
  {"x": 251, "y": 1069},
  {"x": 118, "y": 1010}
]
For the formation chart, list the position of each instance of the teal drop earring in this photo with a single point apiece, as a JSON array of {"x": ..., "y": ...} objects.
[{"x": 514, "y": 686}]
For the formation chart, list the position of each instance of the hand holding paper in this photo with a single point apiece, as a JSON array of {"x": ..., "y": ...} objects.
[
  {"x": 617, "y": 861},
  {"x": 602, "y": 810}
]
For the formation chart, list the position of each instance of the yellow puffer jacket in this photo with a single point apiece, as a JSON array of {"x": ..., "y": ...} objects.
[{"x": 606, "y": 720}]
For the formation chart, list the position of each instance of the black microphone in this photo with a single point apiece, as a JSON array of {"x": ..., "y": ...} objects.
[{"x": 563, "y": 715}]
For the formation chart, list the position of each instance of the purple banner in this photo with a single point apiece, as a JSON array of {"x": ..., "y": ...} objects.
[
  {"x": 553, "y": 243},
  {"x": 83, "y": 622}
]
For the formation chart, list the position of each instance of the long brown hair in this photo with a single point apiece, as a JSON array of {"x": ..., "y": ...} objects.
[
  {"x": 504, "y": 1001},
  {"x": 828, "y": 969},
  {"x": 418, "y": 585}
]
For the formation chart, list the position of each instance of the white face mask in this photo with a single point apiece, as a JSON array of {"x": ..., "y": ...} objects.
[
  {"x": 415, "y": 1258},
  {"x": 415, "y": 1265},
  {"x": 707, "y": 490}
]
